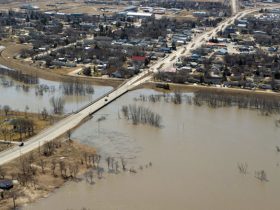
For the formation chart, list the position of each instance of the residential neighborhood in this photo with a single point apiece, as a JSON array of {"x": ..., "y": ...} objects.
[{"x": 139, "y": 104}]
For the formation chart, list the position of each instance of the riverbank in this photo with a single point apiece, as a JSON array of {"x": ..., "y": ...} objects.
[
  {"x": 196, "y": 88},
  {"x": 45, "y": 169},
  {"x": 12, "y": 49}
]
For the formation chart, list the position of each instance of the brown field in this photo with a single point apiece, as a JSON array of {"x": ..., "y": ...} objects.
[
  {"x": 39, "y": 124},
  {"x": 182, "y": 15},
  {"x": 69, "y": 6}
]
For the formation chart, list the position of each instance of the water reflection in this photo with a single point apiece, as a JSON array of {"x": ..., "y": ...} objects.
[{"x": 18, "y": 95}]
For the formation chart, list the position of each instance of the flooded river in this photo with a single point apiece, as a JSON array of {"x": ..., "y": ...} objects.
[
  {"x": 194, "y": 161},
  {"x": 18, "y": 98}
]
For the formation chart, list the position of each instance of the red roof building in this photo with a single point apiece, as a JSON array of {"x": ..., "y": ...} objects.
[{"x": 138, "y": 58}]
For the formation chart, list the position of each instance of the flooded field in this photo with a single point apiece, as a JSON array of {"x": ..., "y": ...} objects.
[
  {"x": 37, "y": 96},
  {"x": 194, "y": 156}
]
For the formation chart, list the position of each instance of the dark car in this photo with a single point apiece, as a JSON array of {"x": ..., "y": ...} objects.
[
  {"x": 21, "y": 144},
  {"x": 6, "y": 184}
]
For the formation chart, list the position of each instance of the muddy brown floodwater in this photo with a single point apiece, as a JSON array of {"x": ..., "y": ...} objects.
[
  {"x": 194, "y": 161},
  {"x": 15, "y": 97}
]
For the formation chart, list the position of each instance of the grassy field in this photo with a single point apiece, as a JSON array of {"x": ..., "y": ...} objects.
[{"x": 6, "y": 130}]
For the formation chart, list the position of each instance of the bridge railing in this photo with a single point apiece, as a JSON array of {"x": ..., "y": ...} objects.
[{"x": 106, "y": 94}]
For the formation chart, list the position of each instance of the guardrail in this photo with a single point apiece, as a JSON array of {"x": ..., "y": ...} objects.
[
  {"x": 92, "y": 102},
  {"x": 99, "y": 98},
  {"x": 106, "y": 94}
]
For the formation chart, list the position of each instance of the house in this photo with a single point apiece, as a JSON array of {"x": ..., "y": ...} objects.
[
  {"x": 265, "y": 86},
  {"x": 138, "y": 58},
  {"x": 272, "y": 49},
  {"x": 213, "y": 78},
  {"x": 159, "y": 11},
  {"x": 130, "y": 9},
  {"x": 241, "y": 25},
  {"x": 222, "y": 51},
  {"x": 140, "y": 15},
  {"x": 29, "y": 7},
  {"x": 215, "y": 45},
  {"x": 195, "y": 56},
  {"x": 165, "y": 49},
  {"x": 200, "y": 14},
  {"x": 117, "y": 74},
  {"x": 193, "y": 64}
]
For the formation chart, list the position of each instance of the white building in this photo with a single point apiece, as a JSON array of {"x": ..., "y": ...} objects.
[{"x": 139, "y": 14}]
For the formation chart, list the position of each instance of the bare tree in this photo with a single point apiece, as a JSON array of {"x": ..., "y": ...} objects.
[
  {"x": 26, "y": 110},
  {"x": 53, "y": 167},
  {"x": 2, "y": 172},
  {"x": 57, "y": 105},
  {"x": 116, "y": 166},
  {"x": 76, "y": 170},
  {"x": 62, "y": 167},
  {"x": 6, "y": 109},
  {"x": 42, "y": 163},
  {"x": 177, "y": 99},
  {"x": 44, "y": 114},
  {"x": 108, "y": 160},
  {"x": 140, "y": 114},
  {"x": 69, "y": 133},
  {"x": 261, "y": 175},
  {"x": 242, "y": 167},
  {"x": 123, "y": 164},
  {"x": 100, "y": 172},
  {"x": 73, "y": 169},
  {"x": 91, "y": 175},
  {"x": 48, "y": 148},
  {"x": 14, "y": 194},
  {"x": 23, "y": 126}
]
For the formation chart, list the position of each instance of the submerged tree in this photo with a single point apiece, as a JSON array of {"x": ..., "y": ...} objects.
[
  {"x": 57, "y": 105},
  {"x": 261, "y": 175},
  {"x": 141, "y": 115},
  {"x": 242, "y": 167}
]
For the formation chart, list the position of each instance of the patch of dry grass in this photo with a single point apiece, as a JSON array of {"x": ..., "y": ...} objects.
[
  {"x": 46, "y": 180},
  {"x": 39, "y": 124}
]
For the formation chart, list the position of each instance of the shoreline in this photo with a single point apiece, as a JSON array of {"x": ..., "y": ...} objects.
[
  {"x": 45, "y": 183},
  {"x": 65, "y": 73},
  {"x": 196, "y": 88}
]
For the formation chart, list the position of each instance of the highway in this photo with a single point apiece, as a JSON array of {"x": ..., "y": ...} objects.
[{"x": 75, "y": 119}]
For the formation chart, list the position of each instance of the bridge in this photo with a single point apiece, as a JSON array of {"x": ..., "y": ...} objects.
[{"x": 77, "y": 118}]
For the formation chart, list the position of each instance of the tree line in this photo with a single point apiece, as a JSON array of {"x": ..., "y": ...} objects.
[{"x": 141, "y": 115}]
